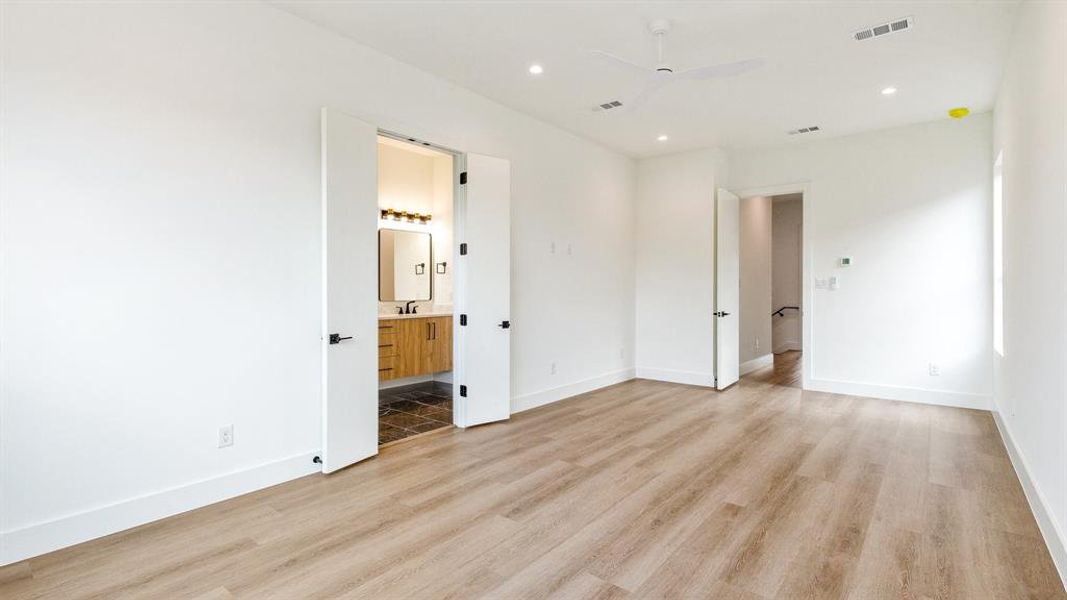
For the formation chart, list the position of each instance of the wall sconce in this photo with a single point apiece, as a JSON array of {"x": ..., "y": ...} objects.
[
  {"x": 391, "y": 214},
  {"x": 420, "y": 268},
  {"x": 441, "y": 268}
]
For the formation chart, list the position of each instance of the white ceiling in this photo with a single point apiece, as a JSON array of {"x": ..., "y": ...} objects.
[{"x": 816, "y": 74}]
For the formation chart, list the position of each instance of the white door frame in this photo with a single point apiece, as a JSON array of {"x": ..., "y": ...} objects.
[{"x": 807, "y": 356}]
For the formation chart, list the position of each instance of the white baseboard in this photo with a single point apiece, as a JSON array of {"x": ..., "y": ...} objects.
[
  {"x": 528, "y": 401},
  {"x": 40, "y": 538},
  {"x": 787, "y": 346},
  {"x": 905, "y": 394},
  {"x": 673, "y": 376},
  {"x": 1051, "y": 530},
  {"x": 757, "y": 363}
]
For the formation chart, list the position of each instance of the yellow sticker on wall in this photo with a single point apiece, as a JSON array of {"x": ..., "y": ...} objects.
[{"x": 959, "y": 112}]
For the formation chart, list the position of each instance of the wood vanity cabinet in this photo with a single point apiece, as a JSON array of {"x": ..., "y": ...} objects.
[{"x": 414, "y": 346}]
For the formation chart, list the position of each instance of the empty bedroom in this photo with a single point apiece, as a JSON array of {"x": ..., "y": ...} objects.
[{"x": 367, "y": 299}]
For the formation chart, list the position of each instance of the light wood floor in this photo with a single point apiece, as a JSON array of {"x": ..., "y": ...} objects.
[{"x": 643, "y": 490}]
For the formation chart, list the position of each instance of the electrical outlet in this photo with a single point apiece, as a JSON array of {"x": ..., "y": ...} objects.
[
  {"x": 935, "y": 370},
  {"x": 552, "y": 248},
  {"x": 553, "y": 368},
  {"x": 225, "y": 436},
  {"x": 570, "y": 249},
  {"x": 757, "y": 342}
]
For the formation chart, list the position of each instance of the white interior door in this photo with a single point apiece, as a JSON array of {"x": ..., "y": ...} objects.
[
  {"x": 483, "y": 293},
  {"x": 727, "y": 289},
  {"x": 350, "y": 281}
]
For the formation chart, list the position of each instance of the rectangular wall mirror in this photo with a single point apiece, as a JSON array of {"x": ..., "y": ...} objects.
[{"x": 405, "y": 264}]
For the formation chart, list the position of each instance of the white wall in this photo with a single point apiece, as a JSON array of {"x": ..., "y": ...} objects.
[
  {"x": 443, "y": 228},
  {"x": 1031, "y": 390},
  {"x": 160, "y": 221},
  {"x": 786, "y": 280},
  {"x": 911, "y": 205},
  {"x": 405, "y": 178},
  {"x": 675, "y": 266},
  {"x": 755, "y": 297}
]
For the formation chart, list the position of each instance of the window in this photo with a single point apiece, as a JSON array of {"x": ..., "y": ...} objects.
[{"x": 998, "y": 254}]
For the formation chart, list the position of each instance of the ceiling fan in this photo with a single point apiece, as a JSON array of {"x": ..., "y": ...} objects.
[{"x": 663, "y": 73}]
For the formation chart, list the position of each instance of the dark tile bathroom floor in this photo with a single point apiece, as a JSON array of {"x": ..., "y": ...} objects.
[{"x": 413, "y": 409}]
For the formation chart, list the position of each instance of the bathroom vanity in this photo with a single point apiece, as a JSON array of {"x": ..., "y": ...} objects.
[{"x": 410, "y": 345}]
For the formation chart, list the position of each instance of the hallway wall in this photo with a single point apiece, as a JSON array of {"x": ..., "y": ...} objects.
[{"x": 756, "y": 245}]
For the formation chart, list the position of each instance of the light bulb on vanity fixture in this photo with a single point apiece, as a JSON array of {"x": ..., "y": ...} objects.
[{"x": 391, "y": 214}]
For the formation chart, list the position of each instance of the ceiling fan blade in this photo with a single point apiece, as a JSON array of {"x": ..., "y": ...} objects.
[
  {"x": 621, "y": 62},
  {"x": 723, "y": 70}
]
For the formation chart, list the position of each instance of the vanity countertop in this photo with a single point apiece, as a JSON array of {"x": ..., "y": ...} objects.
[{"x": 432, "y": 313}]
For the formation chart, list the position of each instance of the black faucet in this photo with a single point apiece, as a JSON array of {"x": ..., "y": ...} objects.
[{"x": 407, "y": 308}]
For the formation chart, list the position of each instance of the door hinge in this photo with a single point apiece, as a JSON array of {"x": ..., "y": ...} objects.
[
  {"x": 463, "y": 391},
  {"x": 463, "y": 249},
  {"x": 463, "y": 320},
  {"x": 463, "y": 178}
]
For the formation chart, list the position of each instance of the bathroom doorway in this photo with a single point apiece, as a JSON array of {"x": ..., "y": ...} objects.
[{"x": 416, "y": 229}]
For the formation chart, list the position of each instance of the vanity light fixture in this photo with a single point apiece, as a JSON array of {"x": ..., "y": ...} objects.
[
  {"x": 889, "y": 91},
  {"x": 390, "y": 214},
  {"x": 536, "y": 69},
  {"x": 662, "y": 138}
]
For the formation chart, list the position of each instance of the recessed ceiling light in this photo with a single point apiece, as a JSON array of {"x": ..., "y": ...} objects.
[
  {"x": 536, "y": 69},
  {"x": 889, "y": 91},
  {"x": 662, "y": 138}
]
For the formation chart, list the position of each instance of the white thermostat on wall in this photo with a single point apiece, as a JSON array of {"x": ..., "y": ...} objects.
[{"x": 844, "y": 261}]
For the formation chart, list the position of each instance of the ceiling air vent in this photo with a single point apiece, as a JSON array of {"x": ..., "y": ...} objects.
[
  {"x": 884, "y": 29},
  {"x": 607, "y": 105},
  {"x": 811, "y": 129}
]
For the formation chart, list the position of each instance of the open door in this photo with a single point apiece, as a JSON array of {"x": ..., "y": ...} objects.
[
  {"x": 483, "y": 293},
  {"x": 727, "y": 289},
  {"x": 350, "y": 276}
]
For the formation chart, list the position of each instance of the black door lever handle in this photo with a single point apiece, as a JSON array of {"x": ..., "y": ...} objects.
[
  {"x": 505, "y": 324},
  {"x": 721, "y": 314},
  {"x": 335, "y": 338}
]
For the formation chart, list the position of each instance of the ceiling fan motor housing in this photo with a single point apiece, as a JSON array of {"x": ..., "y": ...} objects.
[{"x": 660, "y": 28}]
